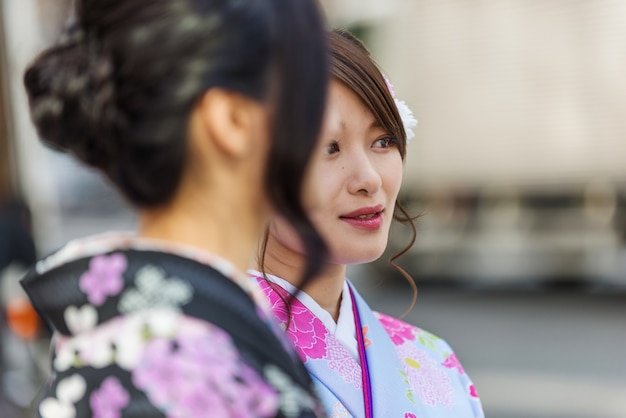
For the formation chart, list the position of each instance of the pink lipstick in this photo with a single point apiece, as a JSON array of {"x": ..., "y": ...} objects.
[{"x": 368, "y": 218}]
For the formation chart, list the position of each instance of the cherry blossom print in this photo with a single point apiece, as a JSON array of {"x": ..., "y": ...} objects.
[
  {"x": 410, "y": 415},
  {"x": 306, "y": 332},
  {"x": 431, "y": 384},
  {"x": 92, "y": 348},
  {"x": 80, "y": 319},
  {"x": 96, "y": 348},
  {"x": 153, "y": 288},
  {"x": 452, "y": 362},
  {"x": 293, "y": 399},
  {"x": 398, "y": 331},
  {"x": 473, "y": 392},
  {"x": 64, "y": 353},
  {"x": 119, "y": 340},
  {"x": 68, "y": 392},
  {"x": 109, "y": 400},
  {"x": 104, "y": 277},
  {"x": 200, "y": 370}
]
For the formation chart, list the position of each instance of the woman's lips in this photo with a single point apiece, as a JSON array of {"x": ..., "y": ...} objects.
[{"x": 368, "y": 219}]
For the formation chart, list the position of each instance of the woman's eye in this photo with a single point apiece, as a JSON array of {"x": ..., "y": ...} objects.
[
  {"x": 332, "y": 148},
  {"x": 385, "y": 142}
]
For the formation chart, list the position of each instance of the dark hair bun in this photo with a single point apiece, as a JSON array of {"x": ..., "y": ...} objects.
[
  {"x": 72, "y": 99},
  {"x": 119, "y": 90}
]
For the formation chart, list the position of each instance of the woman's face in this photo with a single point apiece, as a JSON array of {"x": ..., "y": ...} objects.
[{"x": 358, "y": 172}]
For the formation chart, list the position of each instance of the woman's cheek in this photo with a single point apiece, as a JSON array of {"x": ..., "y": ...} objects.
[
  {"x": 313, "y": 196},
  {"x": 395, "y": 172}
]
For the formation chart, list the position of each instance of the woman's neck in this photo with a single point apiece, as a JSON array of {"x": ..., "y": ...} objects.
[
  {"x": 326, "y": 288},
  {"x": 228, "y": 230}
]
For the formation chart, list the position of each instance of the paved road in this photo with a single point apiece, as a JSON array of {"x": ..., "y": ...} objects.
[{"x": 531, "y": 353}]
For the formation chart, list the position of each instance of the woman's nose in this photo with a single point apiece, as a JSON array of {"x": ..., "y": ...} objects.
[{"x": 364, "y": 177}]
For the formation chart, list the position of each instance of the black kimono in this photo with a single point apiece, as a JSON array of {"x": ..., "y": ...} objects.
[{"x": 145, "y": 328}]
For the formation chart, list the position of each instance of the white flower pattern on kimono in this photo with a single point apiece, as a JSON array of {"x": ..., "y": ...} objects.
[
  {"x": 293, "y": 400},
  {"x": 184, "y": 365},
  {"x": 154, "y": 289},
  {"x": 129, "y": 320},
  {"x": 98, "y": 349},
  {"x": 69, "y": 391},
  {"x": 93, "y": 348},
  {"x": 80, "y": 319},
  {"x": 119, "y": 341},
  {"x": 64, "y": 352},
  {"x": 130, "y": 338}
]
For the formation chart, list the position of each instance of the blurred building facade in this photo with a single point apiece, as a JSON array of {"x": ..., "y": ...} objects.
[{"x": 519, "y": 163}]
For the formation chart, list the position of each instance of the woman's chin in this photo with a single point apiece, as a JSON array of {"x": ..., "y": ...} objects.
[{"x": 366, "y": 256}]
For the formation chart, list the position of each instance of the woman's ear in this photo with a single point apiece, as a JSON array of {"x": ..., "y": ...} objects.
[{"x": 232, "y": 121}]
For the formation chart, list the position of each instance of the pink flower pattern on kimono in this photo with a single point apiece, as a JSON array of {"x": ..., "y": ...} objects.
[
  {"x": 104, "y": 278},
  {"x": 199, "y": 372},
  {"x": 399, "y": 331},
  {"x": 452, "y": 362},
  {"x": 306, "y": 331},
  {"x": 431, "y": 384},
  {"x": 340, "y": 360},
  {"x": 410, "y": 415},
  {"x": 109, "y": 400},
  {"x": 473, "y": 392}
]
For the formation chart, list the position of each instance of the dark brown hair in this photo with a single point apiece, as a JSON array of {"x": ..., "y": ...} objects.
[
  {"x": 352, "y": 64},
  {"x": 118, "y": 88}
]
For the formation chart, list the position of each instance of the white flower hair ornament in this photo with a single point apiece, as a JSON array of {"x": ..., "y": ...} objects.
[{"x": 406, "y": 114}]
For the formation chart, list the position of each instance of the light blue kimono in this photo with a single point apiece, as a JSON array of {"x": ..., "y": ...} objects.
[{"x": 412, "y": 373}]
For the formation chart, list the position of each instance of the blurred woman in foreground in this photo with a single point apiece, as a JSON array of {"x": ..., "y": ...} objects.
[{"x": 203, "y": 114}]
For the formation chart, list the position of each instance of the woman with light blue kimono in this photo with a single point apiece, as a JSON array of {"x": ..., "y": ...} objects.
[{"x": 364, "y": 363}]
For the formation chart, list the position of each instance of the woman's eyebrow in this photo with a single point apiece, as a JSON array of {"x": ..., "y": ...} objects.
[{"x": 375, "y": 125}]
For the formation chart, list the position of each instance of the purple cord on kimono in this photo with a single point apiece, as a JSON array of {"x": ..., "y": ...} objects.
[{"x": 365, "y": 375}]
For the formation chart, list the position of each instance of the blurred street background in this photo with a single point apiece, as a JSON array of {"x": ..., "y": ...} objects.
[{"x": 517, "y": 170}]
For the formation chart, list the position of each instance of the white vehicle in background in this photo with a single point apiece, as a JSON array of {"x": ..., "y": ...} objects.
[
  {"x": 523, "y": 236},
  {"x": 519, "y": 160}
]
